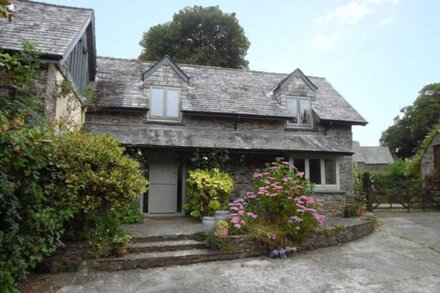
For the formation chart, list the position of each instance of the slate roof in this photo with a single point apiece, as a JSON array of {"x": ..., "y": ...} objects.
[
  {"x": 53, "y": 29},
  {"x": 373, "y": 155},
  {"x": 185, "y": 137},
  {"x": 217, "y": 90}
]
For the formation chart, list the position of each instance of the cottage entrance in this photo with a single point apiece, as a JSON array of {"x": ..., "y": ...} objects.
[{"x": 163, "y": 190}]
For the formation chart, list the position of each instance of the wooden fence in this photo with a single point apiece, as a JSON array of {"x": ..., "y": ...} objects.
[{"x": 400, "y": 193}]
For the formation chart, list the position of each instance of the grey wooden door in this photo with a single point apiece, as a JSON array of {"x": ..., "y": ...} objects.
[{"x": 162, "y": 195}]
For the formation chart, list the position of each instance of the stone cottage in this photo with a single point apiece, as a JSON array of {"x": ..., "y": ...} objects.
[
  {"x": 65, "y": 37},
  {"x": 371, "y": 158},
  {"x": 170, "y": 110}
]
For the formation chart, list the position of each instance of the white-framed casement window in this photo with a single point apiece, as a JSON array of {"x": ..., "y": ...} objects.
[
  {"x": 301, "y": 110},
  {"x": 164, "y": 104},
  {"x": 322, "y": 172}
]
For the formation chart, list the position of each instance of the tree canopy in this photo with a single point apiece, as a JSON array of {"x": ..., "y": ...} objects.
[
  {"x": 408, "y": 131},
  {"x": 198, "y": 35}
]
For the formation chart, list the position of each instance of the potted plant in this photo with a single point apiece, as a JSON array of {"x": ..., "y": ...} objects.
[
  {"x": 121, "y": 241},
  {"x": 222, "y": 230},
  {"x": 358, "y": 208}
]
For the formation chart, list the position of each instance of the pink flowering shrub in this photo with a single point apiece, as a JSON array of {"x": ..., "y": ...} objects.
[{"x": 279, "y": 211}]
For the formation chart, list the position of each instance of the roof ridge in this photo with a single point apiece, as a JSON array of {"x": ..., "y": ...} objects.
[
  {"x": 55, "y": 5},
  {"x": 203, "y": 66}
]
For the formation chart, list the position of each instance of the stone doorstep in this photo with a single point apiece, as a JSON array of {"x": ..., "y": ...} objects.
[
  {"x": 165, "y": 245},
  {"x": 162, "y": 259}
]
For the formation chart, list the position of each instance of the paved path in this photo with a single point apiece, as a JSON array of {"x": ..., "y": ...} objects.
[{"x": 402, "y": 256}]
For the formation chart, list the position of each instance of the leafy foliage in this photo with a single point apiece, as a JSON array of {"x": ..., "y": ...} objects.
[
  {"x": 279, "y": 210},
  {"x": 214, "y": 159},
  {"x": 47, "y": 179},
  {"x": 130, "y": 214},
  {"x": 105, "y": 176},
  {"x": 198, "y": 35},
  {"x": 406, "y": 135},
  {"x": 414, "y": 163},
  {"x": 208, "y": 191},
  {"x": 34, "y": 199}
]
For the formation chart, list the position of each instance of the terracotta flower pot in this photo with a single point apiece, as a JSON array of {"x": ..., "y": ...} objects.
[
  {"x": 221, "y": 232},
  {"x": 362, "y": 211},
  {"x": 120, "y": 251}
]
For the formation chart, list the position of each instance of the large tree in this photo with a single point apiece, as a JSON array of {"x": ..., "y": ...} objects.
[
  {"x": 198, "y": 35},
  {"x": 408, "y": 131}
]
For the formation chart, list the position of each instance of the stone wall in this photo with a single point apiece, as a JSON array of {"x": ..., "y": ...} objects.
[{"x": 427, "y": 162}]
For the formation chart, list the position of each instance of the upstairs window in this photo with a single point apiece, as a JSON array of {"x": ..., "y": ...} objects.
[
  {"x": 324, "y": 173},
  {"x": 164, "y": 104},
  {"x": 301, "y": 111}
]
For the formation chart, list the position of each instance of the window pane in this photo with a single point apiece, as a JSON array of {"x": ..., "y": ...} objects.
[
  {"x": 156, "y": 103},
  {"x": 330, "y": 171},
  {"x": 172, "y": 103},
  {"x": 292, "y": 108},
  {"x": 315, "y": 170},
  {"x": 304, "y": 106},
  {"x": 300, "y": 164}
]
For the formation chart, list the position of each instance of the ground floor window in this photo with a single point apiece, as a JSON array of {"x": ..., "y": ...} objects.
[{"x": 323, "y": 172}]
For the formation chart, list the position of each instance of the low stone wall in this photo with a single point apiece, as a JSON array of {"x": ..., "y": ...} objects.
[
  {"x": 338, "y": 233},
  {"x": 72, "y": 257},
  {"x": 67, "y": 258},
  {"x": 333, "y": 233}
]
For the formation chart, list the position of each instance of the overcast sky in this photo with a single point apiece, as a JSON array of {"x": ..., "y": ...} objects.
[{"x": 377, "y": 53}]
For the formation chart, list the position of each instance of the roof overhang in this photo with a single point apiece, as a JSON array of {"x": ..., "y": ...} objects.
[{"x": 186, "y": 138}]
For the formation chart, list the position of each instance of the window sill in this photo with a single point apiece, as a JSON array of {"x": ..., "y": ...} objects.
[
  {"x": 324, "y": 190},
  {"x": 298, "y": 128},
  {"x": 168, "y": 122}
]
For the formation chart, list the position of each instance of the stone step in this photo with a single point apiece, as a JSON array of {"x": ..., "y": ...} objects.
[
  {"x": 157, "y": 238},
  {"x": 166, "y": 245},
  {"x": 160, "y": 259}
]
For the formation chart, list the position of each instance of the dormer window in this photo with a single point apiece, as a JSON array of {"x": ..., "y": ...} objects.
[
  {"x": 301, "y": 111},
  {"x": 164, "y": 104}
]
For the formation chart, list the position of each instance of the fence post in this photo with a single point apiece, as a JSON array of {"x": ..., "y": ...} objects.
[{"x": 366, "y": 186}]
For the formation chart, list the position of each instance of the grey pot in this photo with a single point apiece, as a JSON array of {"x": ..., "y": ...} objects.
[
  {"x": 208, "y": 224},
  {"x": 221, "y": 215}
]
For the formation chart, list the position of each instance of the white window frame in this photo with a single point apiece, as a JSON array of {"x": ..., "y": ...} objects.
[
  {"x": 297, "y": 124},
  {"x": 164, "y": 118},
  {"x": 323, "y": 186}
]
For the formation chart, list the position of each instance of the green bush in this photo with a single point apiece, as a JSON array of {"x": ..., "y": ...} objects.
[
  {"x": 208, "y": 191},
  {"x": 47, "y": 178},
  {"x": 34, "y": 199},
  {"x": 106, "y": 180},
  {"x": 104, "y": 176},
  {"x": 130, "y": 214}
]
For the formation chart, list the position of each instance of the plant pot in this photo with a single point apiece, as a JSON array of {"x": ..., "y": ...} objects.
[
  {"x": 221, "y": 232},
  {"x": 120, "y": 251},
  {"x": 362, "y": 211},
  {"x": 208, "y": 224},
  {"x": 221, "y": 215}
]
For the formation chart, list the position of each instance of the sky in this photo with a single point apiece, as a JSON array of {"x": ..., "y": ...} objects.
[{"x": 377, "y": 53}]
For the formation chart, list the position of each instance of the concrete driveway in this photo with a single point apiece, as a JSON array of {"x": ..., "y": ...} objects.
[{"x": 403, "y": 255}]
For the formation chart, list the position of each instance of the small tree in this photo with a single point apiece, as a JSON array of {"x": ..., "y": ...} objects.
[{"x": 198, "y": 35}]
